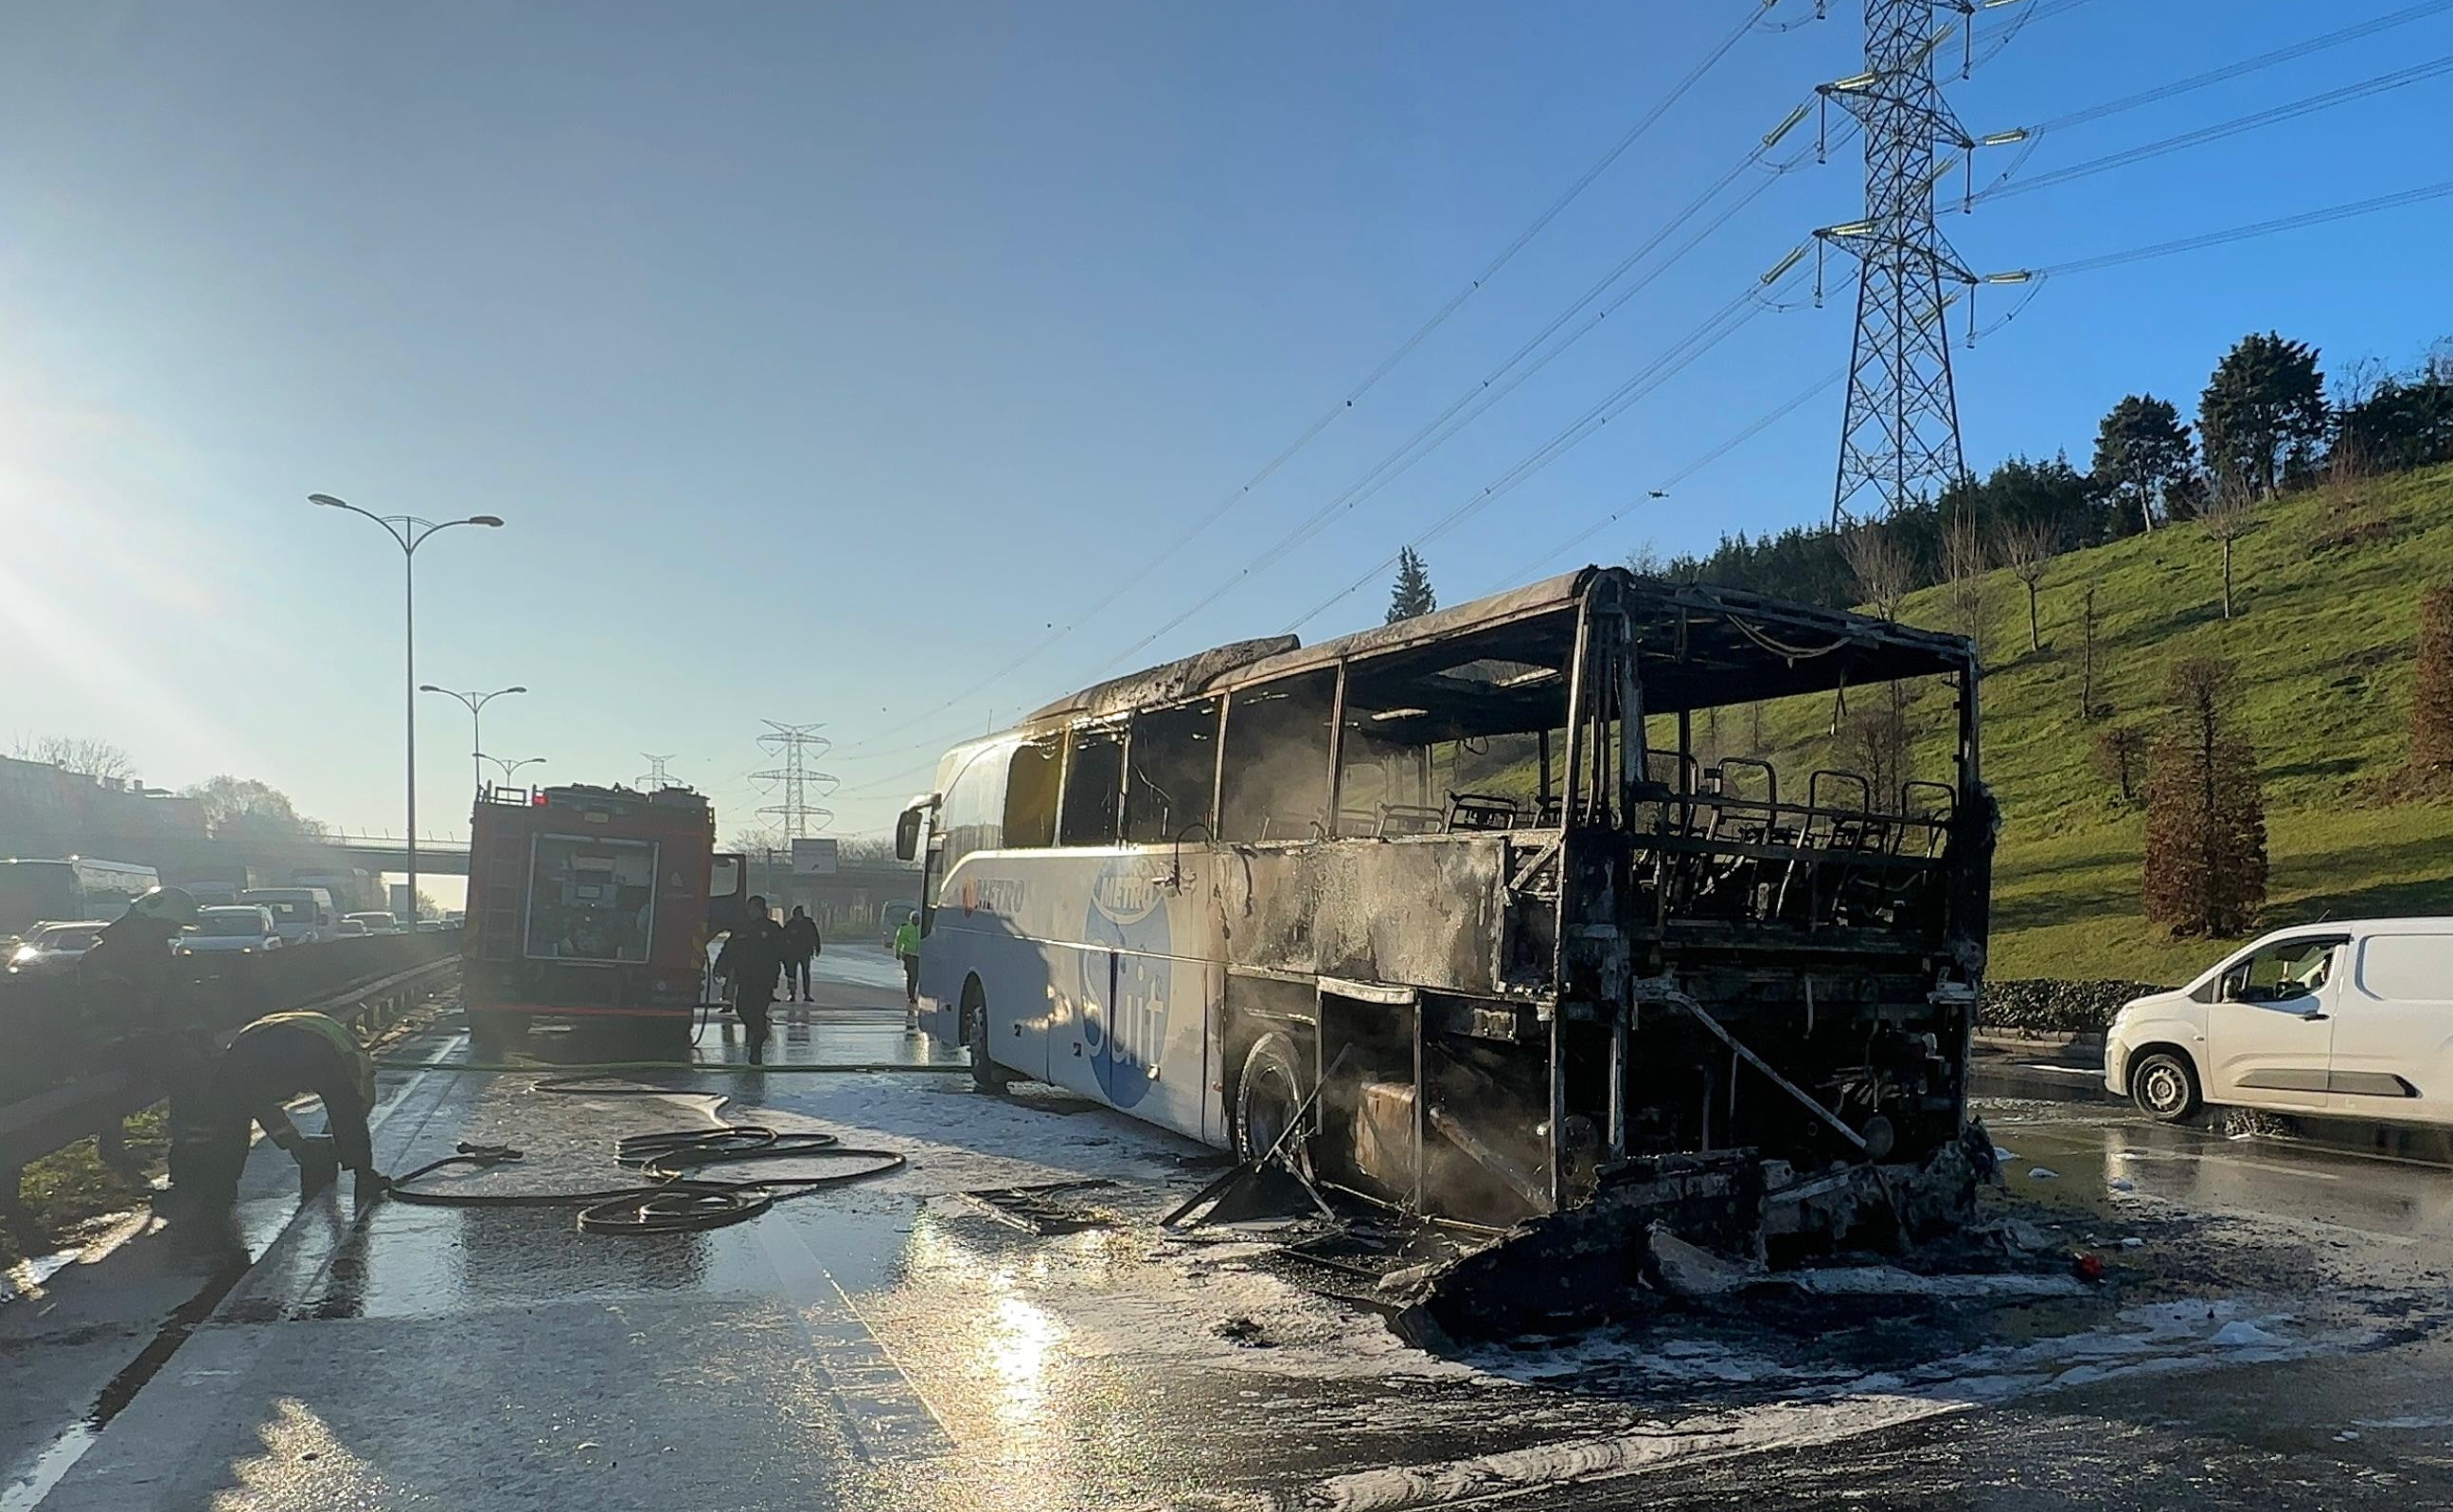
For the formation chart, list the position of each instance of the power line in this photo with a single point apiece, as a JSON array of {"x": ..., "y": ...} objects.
[
  {"x": 2246, "y": 65},
  {"x": 1715, "y": 330},
  {"x": 2256, "y": 229},
  {"x": 655, "y": 779},
  {"x": 1760, "y": 423},
  {"x": 2380, "y": 84},
  {"x": 1440, "y": 317},
  {"x": 1478, "y": 400}
]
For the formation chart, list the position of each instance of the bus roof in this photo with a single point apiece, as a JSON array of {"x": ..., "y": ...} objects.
[{"x": 1701, "y": 644}]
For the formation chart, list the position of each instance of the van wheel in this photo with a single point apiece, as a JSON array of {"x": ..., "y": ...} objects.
[
  {"x": 1268, "y": 1098},
  {"x": 2165, "y": 1087},
  {"x": 986, "y": 1074}
]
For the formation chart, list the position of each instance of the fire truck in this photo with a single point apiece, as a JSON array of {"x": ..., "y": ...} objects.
[{"x": 594, "y": 906}]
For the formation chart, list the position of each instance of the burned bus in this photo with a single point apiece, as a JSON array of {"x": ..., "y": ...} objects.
[{"x": 1465, "y": 914}]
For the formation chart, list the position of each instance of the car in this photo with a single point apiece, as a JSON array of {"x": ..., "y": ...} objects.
[
  {"x": 2343, "y": 1019},
  {"x": 891, "y": 918},
  {"x": 54, "y": 948},
  {"x": 350, "y": 929},
  {"x": 377, "y": 922},
  {"x": 235, "y": 929}
]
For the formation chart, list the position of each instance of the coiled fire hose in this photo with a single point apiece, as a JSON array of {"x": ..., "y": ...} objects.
[{"x": 672, "y": 1200}]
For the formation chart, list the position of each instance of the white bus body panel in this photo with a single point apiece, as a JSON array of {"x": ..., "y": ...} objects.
[{"x": 1103, "y": 975}]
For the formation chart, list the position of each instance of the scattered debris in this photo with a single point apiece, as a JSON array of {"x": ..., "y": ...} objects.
[
  {"x": 2043, "y": 1173},
  {"x": 1681, "y": 1270},
  {"x": 2245, "y": 1335},
  {"x": 1036, "y": 1210},
  {"x": 1243, "y": 1331},
  {"x": 2087, "y": 1267},
  {"x": 2122, "y": 1183}
]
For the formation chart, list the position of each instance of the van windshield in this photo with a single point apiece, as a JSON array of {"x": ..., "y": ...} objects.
[{"x": 289, "y": 910}]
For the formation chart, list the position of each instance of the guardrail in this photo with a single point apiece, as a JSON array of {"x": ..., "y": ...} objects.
[{"x": 67, "y": 1078}]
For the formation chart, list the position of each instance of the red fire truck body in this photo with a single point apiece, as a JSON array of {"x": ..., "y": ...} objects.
[{"x": 592, "y": 904}]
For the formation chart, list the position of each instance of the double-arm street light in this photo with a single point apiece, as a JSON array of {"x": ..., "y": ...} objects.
[
  {"x": 409, "y": 532},
  {"x": 509, "y": 769},
  {"x": 476, "y": 703}
]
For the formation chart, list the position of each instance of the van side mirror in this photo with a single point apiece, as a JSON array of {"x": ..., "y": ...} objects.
[{"x": 906, "y": 834}]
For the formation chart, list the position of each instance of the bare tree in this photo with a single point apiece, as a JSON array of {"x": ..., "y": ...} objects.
[
  {"x": 2431, "y": 703},
  {"x": 2086, "y": 707},
  {"x": 84, "y": 755},
  {"x": 2119, "y": 751},
  {"x": 2227, "y": 515},
  {"x": 242, "y": 806},
  {"x": 1877, "y": 738},
  {"x": 2028, "y": 548},
  {"x": 1963, "y": 563},
  {"x": 2205, "y": 862},
  {"x": 1884, "y": 568}
]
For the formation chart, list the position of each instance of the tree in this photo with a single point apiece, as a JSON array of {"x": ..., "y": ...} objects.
[
  {"x": 2225, "y": 516},
  {"x": 1963, "y": 562},
  {"x": 2431, "y": 704},
  {"x": 2118, "y": 752},
  {"x": 84, "y": 755},
  {"x": 1885, "y": 570},
  {"x": 241, "y": 805},
  {"x": 2205, "y": 866},
  {"x": 2264, "y": 414},
  {"x": 2143, "y": 453},
  {"x": 1877, "y": 739},
  {"x": 2028, "y": 547},
  {"x": 1412, "y": 593}
]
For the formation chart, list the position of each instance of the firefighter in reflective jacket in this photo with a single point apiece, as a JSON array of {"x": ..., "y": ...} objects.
[
  {"x": 277, "y": 1058},
  {"x": 907, "y": 945}
]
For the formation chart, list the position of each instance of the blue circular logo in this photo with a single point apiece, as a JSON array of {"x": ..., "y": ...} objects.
[{"x": 1127, "y": 975}]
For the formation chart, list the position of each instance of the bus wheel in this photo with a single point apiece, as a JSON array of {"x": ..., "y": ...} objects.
[
  {"x": 1268, "y": 1097},
  {"x": 986, "y": 1073}
]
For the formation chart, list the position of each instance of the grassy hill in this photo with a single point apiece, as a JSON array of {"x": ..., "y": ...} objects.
[{"x": 2326, "y": 600}]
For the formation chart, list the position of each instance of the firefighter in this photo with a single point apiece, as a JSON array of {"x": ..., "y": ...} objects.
[
  {"x": 136, "y": 995},
  {"x": 801, "y": 947},
  {"x": 279, "y": 1057},
  {"x": 752, "y": 958},
  {"x": 907, "y": 949}
]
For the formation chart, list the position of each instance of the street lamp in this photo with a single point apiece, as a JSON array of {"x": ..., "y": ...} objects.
[
  {"x": 476, "y": 703},
  {"x": 409, "y": 532},
  {"x": 508, "y": 768}
]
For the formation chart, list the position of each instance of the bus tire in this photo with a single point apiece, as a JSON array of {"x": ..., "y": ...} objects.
[
  {"x": 1268, "y": 1096},
  {"x": 986, "y": 1074}
]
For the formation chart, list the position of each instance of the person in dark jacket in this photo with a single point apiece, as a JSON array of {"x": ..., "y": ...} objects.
[
  {"x": 752, "y": 957},
  {"x": 135, "y": 994},
  {"x": 279, "y": 1057},
  {"x": 801, "y": 947}
]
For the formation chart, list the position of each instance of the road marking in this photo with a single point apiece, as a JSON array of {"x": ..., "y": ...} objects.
[{"x": 884, "y": 1413}]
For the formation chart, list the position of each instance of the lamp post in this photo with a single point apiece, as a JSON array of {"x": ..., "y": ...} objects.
[
  {"x": 409, "y": 532},
  {"x": 476, "y": 703},
  {"x": 509, "y": 767}
]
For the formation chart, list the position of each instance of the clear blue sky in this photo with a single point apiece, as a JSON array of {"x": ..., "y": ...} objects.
[{"x": 824, "y": 357}]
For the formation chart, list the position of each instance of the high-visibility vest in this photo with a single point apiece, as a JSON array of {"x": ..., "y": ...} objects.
[
  {"x": 343, "y": 1038},
  {"x": 906, "y": 938}
]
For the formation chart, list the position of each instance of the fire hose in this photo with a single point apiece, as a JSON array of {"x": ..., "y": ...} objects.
[{"x": 672, "y": 1198}]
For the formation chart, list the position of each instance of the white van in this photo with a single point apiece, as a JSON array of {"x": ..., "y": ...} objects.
[
  {"x": 303, "y": 915},
  {"x": 2348, "y": 1020}
]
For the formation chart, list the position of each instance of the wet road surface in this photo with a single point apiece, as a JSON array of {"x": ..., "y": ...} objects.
[{"x": 2275, "y": 1337}]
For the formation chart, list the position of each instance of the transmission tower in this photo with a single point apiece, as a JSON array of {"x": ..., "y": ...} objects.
[
  {"x": 1900, "y": 441},
  {"x": 655, "y": 779},
  {"x": 795, "y": 783}
]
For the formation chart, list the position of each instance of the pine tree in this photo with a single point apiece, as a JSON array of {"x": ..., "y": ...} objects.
[
  {"x": 2264, "y": 414},
  {"x": 1412, "y": 593},
  {"x": 2206, "y": 861},
  {"x": 2431, "y": 705},
  {"x": 2143, "y": 453}
]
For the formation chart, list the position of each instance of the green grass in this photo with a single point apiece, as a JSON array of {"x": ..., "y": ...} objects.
[{"x": 2322, "y": 635}]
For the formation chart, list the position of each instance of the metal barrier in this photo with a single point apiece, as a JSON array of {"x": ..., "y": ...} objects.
[{"x": 65, "y": 1081}]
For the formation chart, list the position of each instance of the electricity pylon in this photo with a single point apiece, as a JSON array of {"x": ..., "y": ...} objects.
[{"x": 795, "y": 783}]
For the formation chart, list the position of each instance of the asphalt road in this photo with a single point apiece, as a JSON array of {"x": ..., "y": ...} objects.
[{"x": 2275, "y": 1338}]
